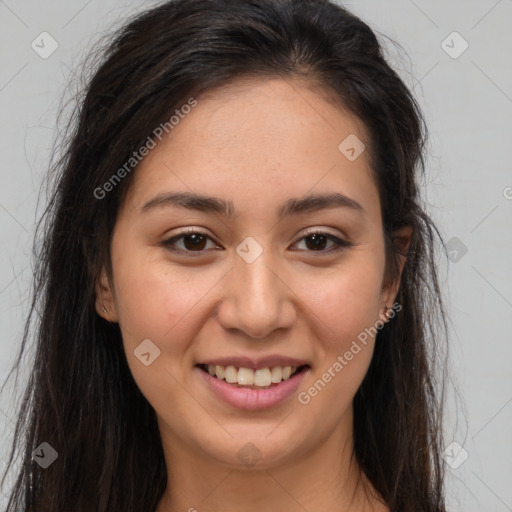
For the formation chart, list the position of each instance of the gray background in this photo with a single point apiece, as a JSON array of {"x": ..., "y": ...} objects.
[{"x": 467, "y": 101}]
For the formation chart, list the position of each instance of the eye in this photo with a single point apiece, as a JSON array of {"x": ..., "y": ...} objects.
[
  {"x": 193, "y": 241},
  {"x": 318, "y": 240},
  {"x": 196, "y": 241}
]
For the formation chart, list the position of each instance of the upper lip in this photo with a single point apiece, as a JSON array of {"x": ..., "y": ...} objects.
[{"x": 254, "y": 364}]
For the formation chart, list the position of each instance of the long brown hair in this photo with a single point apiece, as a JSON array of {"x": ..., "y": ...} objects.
[{"x": 81, "y": 397}]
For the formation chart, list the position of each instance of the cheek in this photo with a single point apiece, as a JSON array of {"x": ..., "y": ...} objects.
[
  {"x": 159, "y": 301},
  {"x": 161, "y": 305},
  {"x": 348, "y": 302}
]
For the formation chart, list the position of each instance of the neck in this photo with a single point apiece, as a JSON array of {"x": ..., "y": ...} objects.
[{"x": 326, "y": 478}]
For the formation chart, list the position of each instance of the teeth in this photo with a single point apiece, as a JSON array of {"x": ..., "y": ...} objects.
[
  {"x": 262, "y": 377},
  {"x": 277, "y": 374},
  {"x": 245, "y": 377},
  {"x": 231, "y": 374},
  {"x": 219, "y": 371}
]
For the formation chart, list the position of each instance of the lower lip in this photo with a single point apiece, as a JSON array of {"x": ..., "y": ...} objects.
[{"x": 253, "y": 399}]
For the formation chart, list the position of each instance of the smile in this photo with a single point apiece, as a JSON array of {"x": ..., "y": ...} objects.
[
  {"x": 247, "y": 377},
  {"x": 252, "y": 389}
]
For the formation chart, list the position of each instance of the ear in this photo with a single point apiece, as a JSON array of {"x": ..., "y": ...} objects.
[
  {"x": 401, "y": 239},
  {"x": 105, "y": 304}
]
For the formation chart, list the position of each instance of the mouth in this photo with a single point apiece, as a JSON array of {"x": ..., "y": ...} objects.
[
  {"x": 252, "y": 378},
  {"x": 252, "y": 385}
]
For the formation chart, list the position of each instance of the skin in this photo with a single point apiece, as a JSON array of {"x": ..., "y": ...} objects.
[{"x": 256, "y": 143}]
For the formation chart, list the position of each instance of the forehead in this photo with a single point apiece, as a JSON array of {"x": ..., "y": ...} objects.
[{"x": 253, "y": 142}]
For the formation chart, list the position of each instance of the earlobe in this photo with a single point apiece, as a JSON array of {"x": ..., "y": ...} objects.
[{"x": 105, "y": 305}]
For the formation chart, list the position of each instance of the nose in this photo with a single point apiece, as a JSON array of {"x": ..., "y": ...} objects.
[{"x": 256, "y": 298}]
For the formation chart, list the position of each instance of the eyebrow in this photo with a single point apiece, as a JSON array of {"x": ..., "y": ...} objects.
[{"x": 292, "y": 206}]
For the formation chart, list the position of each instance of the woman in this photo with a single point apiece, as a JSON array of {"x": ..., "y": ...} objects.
[{"x": 237, "y": 285}]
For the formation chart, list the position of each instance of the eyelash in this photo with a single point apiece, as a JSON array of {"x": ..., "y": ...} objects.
[{"x": 339, "y": 244}]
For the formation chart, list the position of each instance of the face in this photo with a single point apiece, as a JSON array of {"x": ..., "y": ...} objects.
[{"x": 261, "y": 278}]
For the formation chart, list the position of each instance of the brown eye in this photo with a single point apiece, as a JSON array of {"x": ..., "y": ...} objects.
[
  {"x": 196, "y": 242},
  {"x": 317, "y": 241},
  {"x": 192, "y": 241}
]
